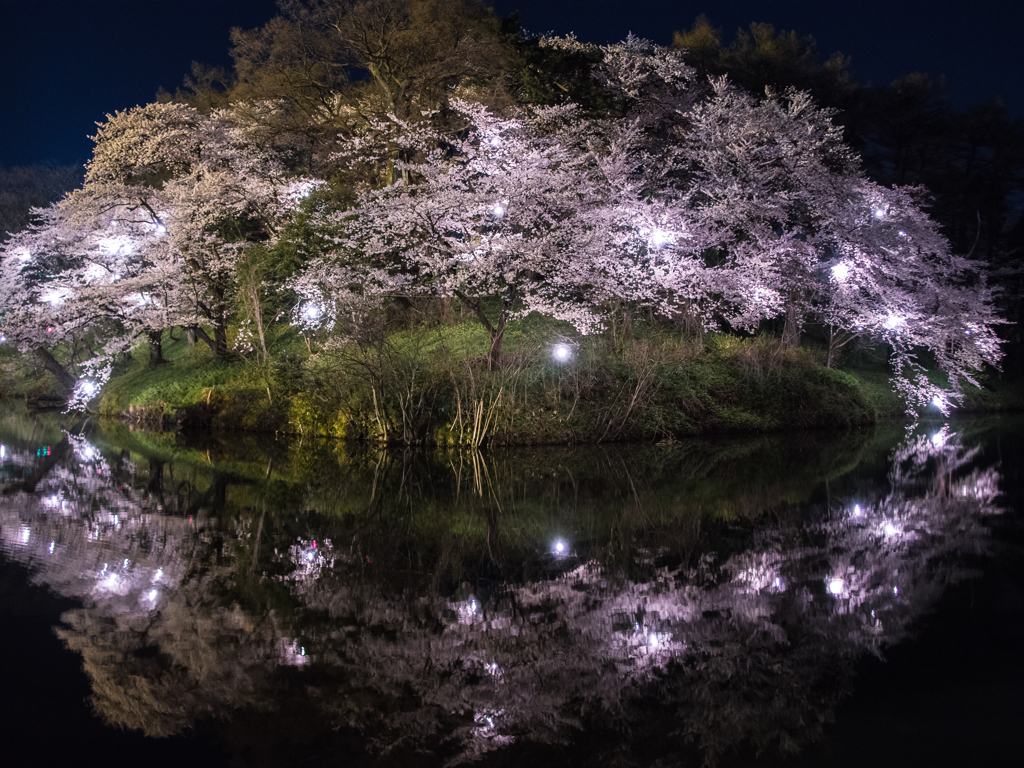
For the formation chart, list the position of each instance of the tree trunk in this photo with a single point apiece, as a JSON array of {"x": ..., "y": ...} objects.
[
  {"x": 49, "y": 362},
  {"x": 497, "y": 336},
  {"x": 791, "y": 331},
  {"x": 156, "y": 348},
  {"x": 220, "y": 340},
  {"x": 497, "y": 331}
]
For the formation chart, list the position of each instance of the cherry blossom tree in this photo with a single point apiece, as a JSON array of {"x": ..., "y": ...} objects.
[
  {"x": 894, "y": 278},
  {"x": 151, "y": 241},
  {"x": 690, "y": 199},
  {"x": 203, "y": 181},
  {"x": 790, "y": 228},
  {"x": 496, "y": 215}
]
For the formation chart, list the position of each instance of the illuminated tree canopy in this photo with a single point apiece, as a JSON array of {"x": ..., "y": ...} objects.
[{"x": 691, "y": 201}]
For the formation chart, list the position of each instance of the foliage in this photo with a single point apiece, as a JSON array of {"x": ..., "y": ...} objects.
[{"x": 677, "y": 200}]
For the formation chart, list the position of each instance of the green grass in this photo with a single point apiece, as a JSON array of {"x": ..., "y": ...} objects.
[
  {"x": 428, "y": 382},
  {"x": 192, "y": 379}
]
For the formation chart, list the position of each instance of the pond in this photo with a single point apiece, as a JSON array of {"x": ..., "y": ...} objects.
[{"x": 253, "y": 601}]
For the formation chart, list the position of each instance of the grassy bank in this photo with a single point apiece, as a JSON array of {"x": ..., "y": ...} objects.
[{"x": 433, "y": 386}]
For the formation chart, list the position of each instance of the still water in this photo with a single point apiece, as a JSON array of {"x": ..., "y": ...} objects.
[{"x": 242, "y": 600}]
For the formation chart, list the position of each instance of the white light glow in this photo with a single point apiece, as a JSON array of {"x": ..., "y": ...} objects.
[
  {"x": 879, "y": 213},
  {"x": 54, "y": 296},
  {"x": 892, "y": 321},
  {"x": 856, "y": 510},
  {"x": 561, "y": 352},
  {"x": 152, "y": 595},
  {"x": 841, "y": 271},
  {"x": 499, "y": 210},
  {"x": 938, "y": 439},
  {"x": 52, "y": 545},
  {"x": 311, "y": 312},
  {"x": 659, "y": 237},
  {"x": 495, "y": 141},
  {"x": 559, "y": 547},
  {"x": 26, "y": 534},
  {"x": 890, "y": 529},
  {"x": 835, "y": 586},
  {"x": 87, "y": 388}
]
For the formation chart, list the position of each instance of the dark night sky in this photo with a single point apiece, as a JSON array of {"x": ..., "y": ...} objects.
[{"x": 66, "y": 63}]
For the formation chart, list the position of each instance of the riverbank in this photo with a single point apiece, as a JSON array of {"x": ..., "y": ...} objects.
[{"x": 433, "y": 387}]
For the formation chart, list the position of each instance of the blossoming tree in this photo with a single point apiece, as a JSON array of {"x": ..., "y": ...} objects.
[{"x": 151, "y": 241}]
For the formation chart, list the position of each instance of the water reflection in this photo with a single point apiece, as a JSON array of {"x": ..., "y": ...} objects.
[{"x": 704, "y": 594}]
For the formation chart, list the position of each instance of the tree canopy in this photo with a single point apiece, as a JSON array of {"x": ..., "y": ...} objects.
[{"x": 404, "y": 149}]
